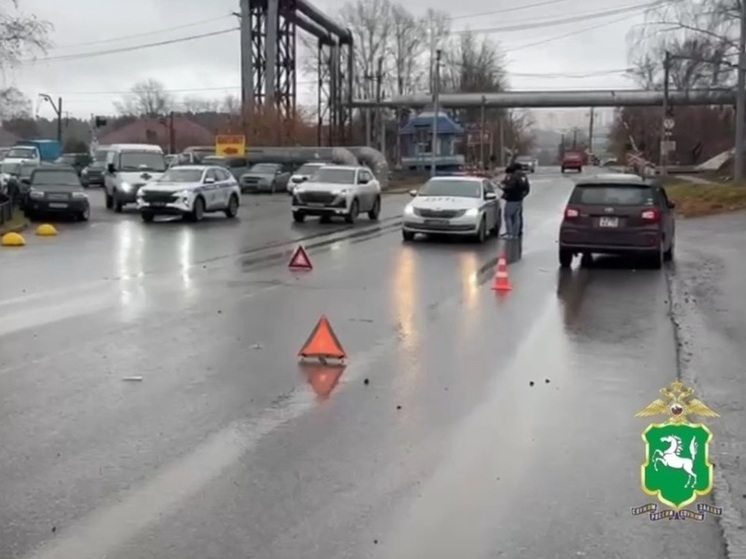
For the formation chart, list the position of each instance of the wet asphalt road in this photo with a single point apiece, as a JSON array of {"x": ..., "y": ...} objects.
[{"x": 489, "y": 426}]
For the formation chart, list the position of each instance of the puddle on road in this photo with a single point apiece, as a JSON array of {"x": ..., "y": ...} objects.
[{"x": 322, "y": 379}]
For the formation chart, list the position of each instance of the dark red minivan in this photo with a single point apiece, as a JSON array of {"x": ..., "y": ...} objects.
[{"x": 618, "y": 214}]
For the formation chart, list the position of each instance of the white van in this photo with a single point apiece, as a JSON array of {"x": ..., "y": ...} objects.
[{"x": 128, "y": 168}]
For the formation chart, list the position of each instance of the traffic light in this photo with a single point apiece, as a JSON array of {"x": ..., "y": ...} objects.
[{"x": 101, "y": 121}]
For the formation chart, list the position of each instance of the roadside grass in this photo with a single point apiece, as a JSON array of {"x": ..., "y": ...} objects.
[
  {"x": 18, "y": 220},
  {"x": 695, "y": 200}
]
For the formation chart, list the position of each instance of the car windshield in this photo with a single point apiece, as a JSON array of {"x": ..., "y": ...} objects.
[
  {"x": 55, "y": 177},
  {"x": 264, "y": 168},
  {"x": 181, "y": 174},
  {"x": 308, "y": 169},
  {"x": 462, "y": 189},
  {"x": 608, "y": 195},
  {"x": 335, "y": 175},
  {"x": 142, "y": 161},
  {"x": 21, "y": 153}
]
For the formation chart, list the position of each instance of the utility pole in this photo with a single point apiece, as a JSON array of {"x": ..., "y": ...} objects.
[
  {"x": 501, "y": 133},
  {"x": 664, "y": 133},
  {"x": 481, "y": 132},
  {"x": 368, "y": 80},
  {"x": 379, "y": 110},
  {"x": 436, "y": 110},
  {"x": 171, "y": 133},
  {"x": 740, "y": 99},
  {"x": 575, "y": 139},
  {"x": 57, "y": 108},
  {"x": 590, "y": 131}
]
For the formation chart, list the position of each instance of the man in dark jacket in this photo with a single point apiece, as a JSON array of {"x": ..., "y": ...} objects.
[{"x": 515, "y": 188}]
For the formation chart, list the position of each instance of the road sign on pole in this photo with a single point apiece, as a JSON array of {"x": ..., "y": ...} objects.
[
  {"x": 229, "y": 144},
  {"x": 668, "y": 123}
]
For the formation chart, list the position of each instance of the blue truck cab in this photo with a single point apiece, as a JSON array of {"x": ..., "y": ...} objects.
[{"x": 34, "y": 151}]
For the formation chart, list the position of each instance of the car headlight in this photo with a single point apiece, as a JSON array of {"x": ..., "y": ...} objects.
[
  {"x": 80, "y": 195},
  {"x": 473, "y": 212},
  {"x": 341, "y": 192},
  {"x": 408, "y": 209},
  {"x": 35, "y": 193},
  {"x": 183, "y": 193},
  {"x": 84, "y": 171},
  {"x": 127, "y": 187}
]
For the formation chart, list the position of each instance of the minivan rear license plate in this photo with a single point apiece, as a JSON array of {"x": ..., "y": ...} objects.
[
  {"x": 436, "y": 222},
  {"x": 608, "y": 222}
]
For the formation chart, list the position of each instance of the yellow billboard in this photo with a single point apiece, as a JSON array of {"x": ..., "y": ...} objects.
[{"x": 230, "y": 145}]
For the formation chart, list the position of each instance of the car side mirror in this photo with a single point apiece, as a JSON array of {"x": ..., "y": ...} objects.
[
  {"x": 362, "y": 181},
  {"x": 490, "y": 196},
  {"x": 26, "y": 181},
  {"x": 209, "y": 180},
  {"x": 413, "y": 193},
  {"x": 110, "y": 168}
]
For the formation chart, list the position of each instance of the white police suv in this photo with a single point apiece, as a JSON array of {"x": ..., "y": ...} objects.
[{"x": 190, "y": 191}]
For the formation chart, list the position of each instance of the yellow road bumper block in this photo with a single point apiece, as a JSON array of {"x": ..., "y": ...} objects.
[
  {"x": 13, "y": 240},
  {"x": 46, "y": 230}
]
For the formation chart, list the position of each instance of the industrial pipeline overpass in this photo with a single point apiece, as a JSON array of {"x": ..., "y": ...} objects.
[{"x": 555, "y": 99}]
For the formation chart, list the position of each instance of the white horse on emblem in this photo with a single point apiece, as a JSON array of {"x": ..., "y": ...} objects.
[{"x": 672, "y": 458}]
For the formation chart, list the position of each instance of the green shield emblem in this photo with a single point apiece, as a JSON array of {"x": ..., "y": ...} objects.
[{"x": 677, "y": 466}]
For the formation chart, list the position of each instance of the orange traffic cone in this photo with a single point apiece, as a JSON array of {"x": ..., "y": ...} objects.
[{"x": 501, "y": 283}]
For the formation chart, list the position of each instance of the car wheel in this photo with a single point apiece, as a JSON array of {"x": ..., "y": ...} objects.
[
  {"x": 109, "y": 201},
  {"x": 198, "y": 210},
  {"x": 299, "y": 217},
  {"x": 668, "y": 255},
  {"x": 85, "y": 215},
  {"x": 375, "y": 210},
  {"x": 354, "y": 212},
  {"x": 482, "y": 231},
  {"x": 656, "y": 259},
  {"x": 232, "y": 210},
  {"x": 147, "y": 217},
  {"x": 565, "y": 258},
  {"x": 407, "y": 236}
]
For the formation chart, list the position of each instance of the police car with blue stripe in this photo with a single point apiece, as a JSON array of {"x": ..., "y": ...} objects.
[{"x": 190, "y": 191}]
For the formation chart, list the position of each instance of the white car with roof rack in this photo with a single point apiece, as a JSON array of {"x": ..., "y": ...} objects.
[
  {"x": 335, "y": 190},
  {"x": 190, "y": 191}
]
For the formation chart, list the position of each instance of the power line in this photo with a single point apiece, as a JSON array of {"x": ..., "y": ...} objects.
[
  {"x": 562, "y": 21},
  {"x": 143, "y": 34},
  {"x": 80, "y": 56},
  {"x": 177, "y": 90},
  {"x": 508, "y": 10}
]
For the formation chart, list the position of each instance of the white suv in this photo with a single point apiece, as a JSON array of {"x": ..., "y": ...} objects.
[
  {"x": 338, "y": 191},
  {"x": 190, "y": 191}
]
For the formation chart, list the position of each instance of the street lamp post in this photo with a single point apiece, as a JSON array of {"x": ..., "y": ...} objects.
[{"x": 57, "y": 108}]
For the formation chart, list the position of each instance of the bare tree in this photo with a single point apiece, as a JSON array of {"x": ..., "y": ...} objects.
[
  {"x": 22, "y": 36},
  {"x": 231, "y": 104},
  {"x": 14, "y": 104},
  {"x": 200, "y": 105},
  {"x": 370, "y": 23},
  {"x": 146, "y": 98},
  {"x": 408, "y": 43},
  {"x": 701, "y": 35}
]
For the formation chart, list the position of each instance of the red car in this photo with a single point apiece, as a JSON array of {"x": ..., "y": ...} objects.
[{"x": 572, "y": 160}]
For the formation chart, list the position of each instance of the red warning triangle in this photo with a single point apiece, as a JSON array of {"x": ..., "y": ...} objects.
[
  {"x": 300, "y": 260},
  {"x": 322, "y": 342}
]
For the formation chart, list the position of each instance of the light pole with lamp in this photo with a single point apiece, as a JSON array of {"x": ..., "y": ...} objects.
[{"x": 57, "y": 108}]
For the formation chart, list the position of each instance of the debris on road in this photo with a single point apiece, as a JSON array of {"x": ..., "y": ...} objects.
[{"x": 133, "y": 379}]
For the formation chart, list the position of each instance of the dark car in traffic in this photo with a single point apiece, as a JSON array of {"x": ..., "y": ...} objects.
[
  {"x": 56, "y": 190},
  {"x": 93, "y": 174},
  {"x": 618, "y": 214}
]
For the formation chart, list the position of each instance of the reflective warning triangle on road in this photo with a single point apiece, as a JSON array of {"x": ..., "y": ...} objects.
[
  {"x": 300, "y": 260},
  {"x": 323, "y": 378},
  {"x": 322, "y": 342}
]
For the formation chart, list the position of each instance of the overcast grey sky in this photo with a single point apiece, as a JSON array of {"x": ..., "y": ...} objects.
[{"x": 538, "y": 58}]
